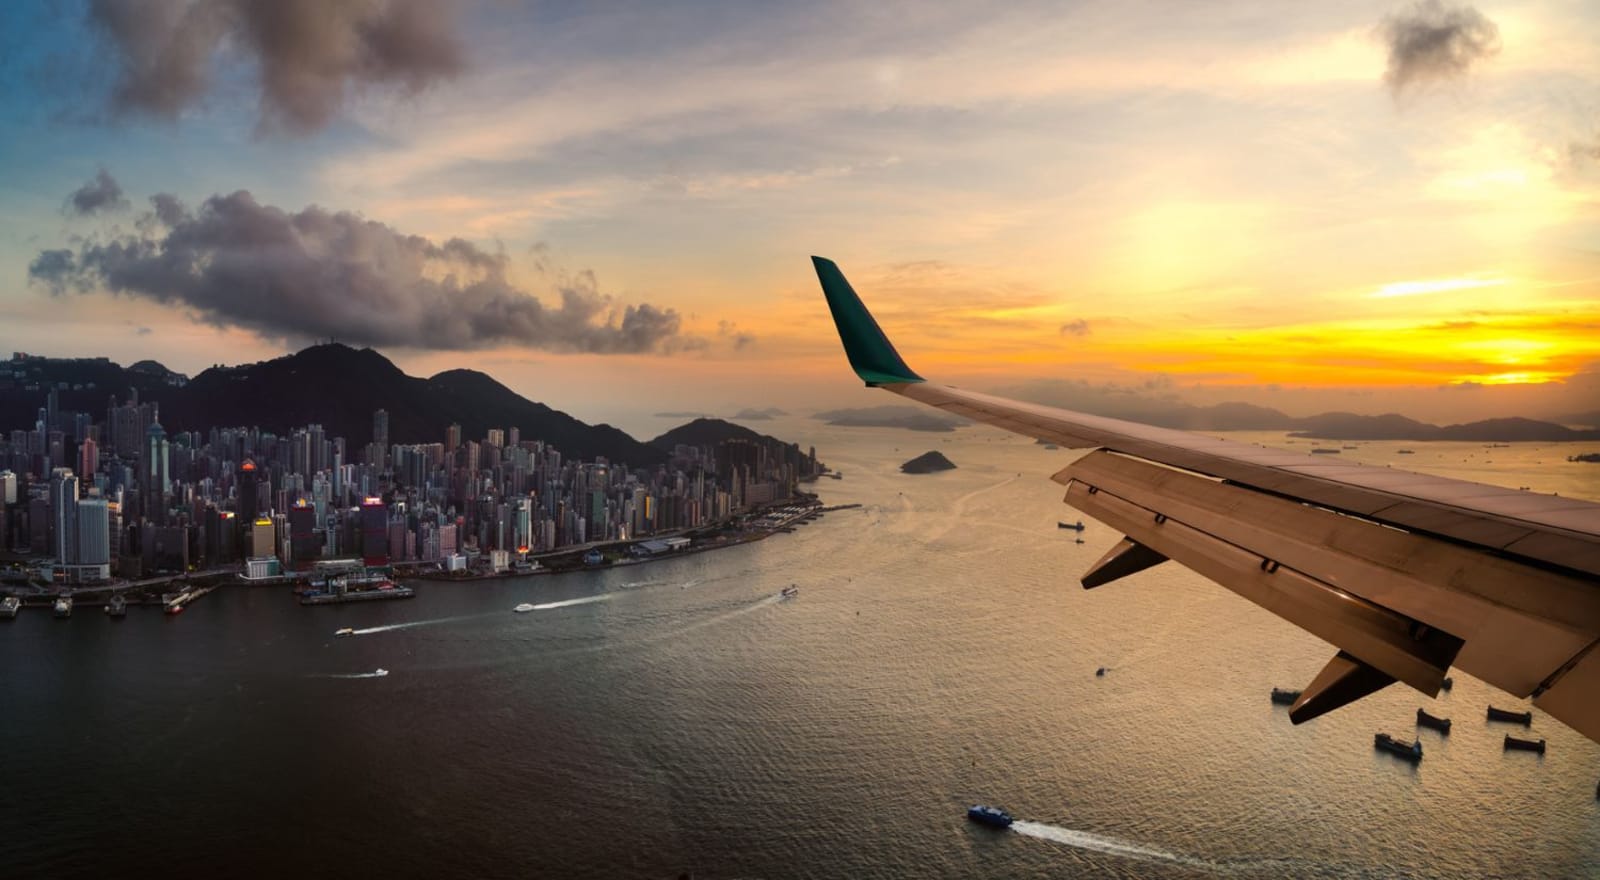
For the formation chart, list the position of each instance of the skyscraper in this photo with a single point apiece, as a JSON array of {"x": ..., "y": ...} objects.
[
  {"x": 374, "y": 532},
  {"x": 94, "y": 539},
  {"x": 153, "y": 479},
  {"x": 64, "y": 515},
  {"x": 245, "y": 486},
  {"x": 305, "y": 543},
  {"x": 380, "y": 428},
  {"x": 88, "y": 458}
]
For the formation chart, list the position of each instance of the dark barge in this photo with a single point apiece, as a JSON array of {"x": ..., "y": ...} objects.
[
  {"x": 1411, "y": 751},
  {"x": 1523, "y": 718},
  {"x": 1524, "y": 745},
  {"x": 1433, "y": 722}
]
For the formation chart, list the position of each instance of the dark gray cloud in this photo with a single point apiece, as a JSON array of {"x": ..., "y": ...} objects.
[
  {"x": 308, "y": 54},
  {"x": 319, "y": 274},
  {"x": 168, "y": 209},
  {"x": 740, "y": 339},
  {"x": 100, "y": 194},
  {"x": 1075, "y": 327},
  {"x": 1433, "y": 41}
]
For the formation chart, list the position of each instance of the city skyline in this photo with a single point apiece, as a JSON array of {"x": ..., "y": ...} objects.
[
  {"x": 139, "y": 503},
  {"x": 1209, "y": 204}
]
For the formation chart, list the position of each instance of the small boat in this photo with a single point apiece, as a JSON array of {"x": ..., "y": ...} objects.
[
  {"x": 1406, "y": 452},
  {"x": 1523, "y": 718},
  {"x": 1100, "y": 673},
  {"x": 1411, "y": 751},
  {"x": 1284, "y": 697},
  {"x": 991, "y": 816},
  {"x": 1323, "y": 450},
  {"x": 790, "y": 591},
  {"x": 117, "y": 608},
  {"x": 345, "y": 631},
  {"x": 63, "y": 606},
  {"x": 1077, "y": 526},
  {"x": 175, "y": 608},
  {"x": 9, "y": 606},
  {"x": 380, "y": 672},
  {"x": 524, "y": 608},
  {"x": 1448, "y": 683},
  {"x": 1525, "y": 745},
  {"x": 1433, "y": 721}
]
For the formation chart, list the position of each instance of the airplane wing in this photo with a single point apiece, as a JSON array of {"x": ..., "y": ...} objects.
[{"x": 1405, "y": 574}]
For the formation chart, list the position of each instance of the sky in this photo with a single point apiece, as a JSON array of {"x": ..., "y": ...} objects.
[{"x": 610, "y": 207}]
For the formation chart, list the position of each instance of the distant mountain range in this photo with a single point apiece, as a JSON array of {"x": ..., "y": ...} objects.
[
  {"x": 1248, "y": 417},
  {"x": 912, "y": 418},
  {"x": 333, "y": 385}
]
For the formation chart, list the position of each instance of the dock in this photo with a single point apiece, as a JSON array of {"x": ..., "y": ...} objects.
[
  {"x": 394, "y": 592},
  {"x": 174, "y": 603}
]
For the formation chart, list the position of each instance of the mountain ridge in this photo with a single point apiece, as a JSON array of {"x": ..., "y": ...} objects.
[{"x": 331, "y": 384}]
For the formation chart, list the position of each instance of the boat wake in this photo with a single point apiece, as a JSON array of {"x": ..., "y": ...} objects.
[
  {"x": 743, "y": 608},
  {"x": 564, "y": 603},
  {"x": 1110, "y": 845},
  {"x": 435, "y": 621},
  {"x": 379, "y": 673},
  {"x": 413, "y": 624}
]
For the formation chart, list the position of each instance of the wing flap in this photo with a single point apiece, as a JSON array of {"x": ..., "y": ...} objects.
[
  {"x": 1518, "y": 626},
  {"x": 1572, "y": 697},
  {"x": 1379, "y": 637}
]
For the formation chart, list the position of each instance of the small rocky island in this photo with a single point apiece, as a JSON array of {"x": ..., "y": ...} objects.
[{"x": 927, "y": 463}]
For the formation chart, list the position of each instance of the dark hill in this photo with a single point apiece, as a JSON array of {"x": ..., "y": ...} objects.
[
  {"x": 708, "y": 432},
  {"x": 340, "y": 387},
  {"x": 1511, "y": 429},
  {"x": 927, "y": 463},
  {"x": 1349, "y": 426}
]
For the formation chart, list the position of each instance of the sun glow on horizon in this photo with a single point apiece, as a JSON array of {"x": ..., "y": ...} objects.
[{"x": 1438, "y": 285}]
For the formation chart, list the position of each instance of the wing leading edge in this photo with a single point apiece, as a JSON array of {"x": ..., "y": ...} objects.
[{"x": 1405, "y": 574}]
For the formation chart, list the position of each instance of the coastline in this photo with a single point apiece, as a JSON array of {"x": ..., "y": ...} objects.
[{"x": 744, "y": 529}]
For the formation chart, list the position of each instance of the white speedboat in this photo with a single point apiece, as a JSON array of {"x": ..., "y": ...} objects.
[
  {"x": 524, "y": 608},
  {"x": 345, "y": 631},
  {"x": 380, "y": 672}
]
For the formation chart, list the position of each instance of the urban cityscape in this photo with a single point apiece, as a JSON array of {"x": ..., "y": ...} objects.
[{"x": 95, "y": 497}]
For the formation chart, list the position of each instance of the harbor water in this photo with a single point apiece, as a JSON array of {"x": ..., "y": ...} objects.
[{"x": 683, "y": 717}]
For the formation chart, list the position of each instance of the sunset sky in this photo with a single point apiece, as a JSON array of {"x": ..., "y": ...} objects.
[{"x": 1371, "y": 206}]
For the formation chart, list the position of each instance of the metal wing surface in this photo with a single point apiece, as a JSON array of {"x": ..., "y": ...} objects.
[{"x": 1405, "y": 574}]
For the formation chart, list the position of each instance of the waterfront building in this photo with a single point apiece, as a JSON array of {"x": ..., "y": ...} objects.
[
  {"x": 305, "y": 544},
  {"x": 263, "y": 538},
  {"x": 64, "y": 515},
  {"x": 374, "y": 532}
]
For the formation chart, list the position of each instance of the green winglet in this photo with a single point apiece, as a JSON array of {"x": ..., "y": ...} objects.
[{"x": 871, "y": 354}]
